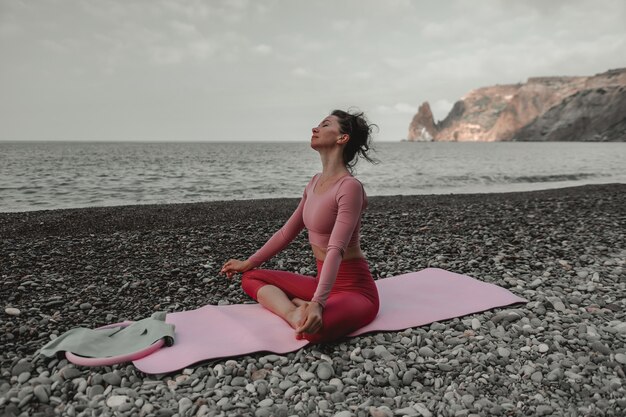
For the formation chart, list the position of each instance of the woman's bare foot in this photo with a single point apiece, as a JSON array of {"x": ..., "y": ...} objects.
[{"x": 294, "y": 317}]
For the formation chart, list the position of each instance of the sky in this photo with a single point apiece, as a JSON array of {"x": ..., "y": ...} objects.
[{"x": 270, "y": 70}]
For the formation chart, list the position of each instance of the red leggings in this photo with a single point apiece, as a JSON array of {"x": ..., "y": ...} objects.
[{"x": 352, "y": 303}]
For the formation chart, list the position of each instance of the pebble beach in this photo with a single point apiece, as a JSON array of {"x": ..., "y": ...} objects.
[{"x": 561, "y": 354}]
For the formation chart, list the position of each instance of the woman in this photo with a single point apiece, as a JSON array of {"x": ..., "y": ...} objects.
[{"x": 343, "y": 296}]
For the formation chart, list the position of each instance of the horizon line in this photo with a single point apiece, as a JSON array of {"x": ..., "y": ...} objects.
[{"x": 165, "y": 141}]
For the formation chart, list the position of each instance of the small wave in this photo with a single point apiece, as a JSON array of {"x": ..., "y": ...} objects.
[
  {"x": 508, "y": 179},
  {"x": 27, "y": 188},
  {"x": 550, "y": 178}
]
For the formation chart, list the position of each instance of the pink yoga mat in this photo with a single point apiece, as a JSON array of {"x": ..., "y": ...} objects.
[{"x": 407, "y": 300}]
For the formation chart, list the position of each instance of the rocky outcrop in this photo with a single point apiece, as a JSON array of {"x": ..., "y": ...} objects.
[
  {"x": 590, "y": 115},
  {"x": 542, "y": 109},
  {"x": 422, "y": 127}
]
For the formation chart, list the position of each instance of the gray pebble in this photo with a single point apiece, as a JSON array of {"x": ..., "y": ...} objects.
[
  {"x": 505, "y": 316},
  {"x": 338, "y": 397},
  {"x": 268, "y": 402},
  {"x": 25, "y": 400},
  {"x": 184, "y": 405},
  {"x": 81, "y": 385},
  {"x": 600, "y": 347},
  {"x": 557, "y": 304},
  {"x": 468, "y": 400},
  {"x": 380, "y": 412},
  {"x": 504, "y": 352},
  {"x": 333, "y": 388},
  {"x": 573, "y": 375},
  {"x": 421, "y": 408},
  {"x": 263, "y": 412},
  {"x": 555, "y": 374},
  {"x": 115, "y": 401},
  {"x": 285, "y": 384},
  {"x": 269, "y": 358},
  {"x": 12, "y": 311},
  {"x": 112, "y": 378},
  {"x": 367, "y": 353},
  {"x": 542, "y": 410},
  {"x": 95, "y": 390},
  {"x": 408, "y": 377},
  {"x": 406, "y": 411},
  {"x": 426, "y": 352},
  {"x": 70, "y": 373},
  {"x": 21, "y": 367},
  {"x": 41, "y": 393},
  {"x": 436, "y": 326},
  {"x": 382, "y": 352},
  {"x": 23, "y": 377},
  {"x": 446, "y": 367},
  {"x": 125, "y": 407},
  {"x": 262, "y": 389},
  {"x": 238, "y": 381},
  {"x": 307, "y": 376},
  {"x": 324, "y": 371},
  {"x": 96, "y": 379},
  {"x": 619, "y": 327},
  {"x": 211, "y": 382}
]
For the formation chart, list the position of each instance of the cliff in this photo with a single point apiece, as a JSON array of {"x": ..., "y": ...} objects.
[
  {"x": 542, "y": 109},
  {"x": 423, "y": 125}
]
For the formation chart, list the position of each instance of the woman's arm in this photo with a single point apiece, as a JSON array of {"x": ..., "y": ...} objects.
[
  {"x": 282, "y": 237},
  {"x": 349, "y": 205}
]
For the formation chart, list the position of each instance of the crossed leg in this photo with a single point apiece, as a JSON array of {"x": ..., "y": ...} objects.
[
  {"x": 275, "y": 300},
  {"x": 283, "y": 293},
  {"x": 344, "y": 313}
]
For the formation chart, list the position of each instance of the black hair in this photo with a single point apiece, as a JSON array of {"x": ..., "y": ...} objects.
[{"x": 355, "y": 125}]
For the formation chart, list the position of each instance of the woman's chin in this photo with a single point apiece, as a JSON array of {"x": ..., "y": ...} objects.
[{"x": 317, "y": 145}]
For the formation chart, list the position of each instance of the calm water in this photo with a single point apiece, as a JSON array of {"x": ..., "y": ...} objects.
[{"x": 36, "y": 176}]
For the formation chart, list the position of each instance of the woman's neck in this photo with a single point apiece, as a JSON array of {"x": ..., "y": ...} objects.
[{"x": 332, "y": 165}]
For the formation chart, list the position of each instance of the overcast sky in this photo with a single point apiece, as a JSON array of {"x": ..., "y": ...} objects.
[{"x": 182, "y": 70}]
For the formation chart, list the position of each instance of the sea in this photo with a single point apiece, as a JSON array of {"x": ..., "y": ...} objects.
[{"x": 58, "y": 175}]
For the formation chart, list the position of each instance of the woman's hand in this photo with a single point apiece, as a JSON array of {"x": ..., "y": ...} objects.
[
  {"x": 233, "y": 266},
  {"x": 311, "y": 320}
]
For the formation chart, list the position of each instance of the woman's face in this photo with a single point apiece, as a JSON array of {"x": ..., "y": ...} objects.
[{"x": 326, "y": 133}]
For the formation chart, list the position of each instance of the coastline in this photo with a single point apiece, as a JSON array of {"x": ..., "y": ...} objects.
[
  {"x": 106, "y": 219},
  {"x": 562, "y": 249}
]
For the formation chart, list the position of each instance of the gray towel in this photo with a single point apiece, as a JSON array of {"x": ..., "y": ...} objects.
[{"x": 115, "y": 341}]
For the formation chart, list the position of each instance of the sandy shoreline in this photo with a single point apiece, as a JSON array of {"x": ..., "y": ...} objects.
[{"x": 86, "y": 267}]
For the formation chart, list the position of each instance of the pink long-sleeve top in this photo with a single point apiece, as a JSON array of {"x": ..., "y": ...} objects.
[{"x": 333, "y": 220}]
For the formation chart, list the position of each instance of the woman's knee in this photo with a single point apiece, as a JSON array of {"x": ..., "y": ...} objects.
[
  {"x": 342, "y": 317},
  {"x": 251, "y": 283}
]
